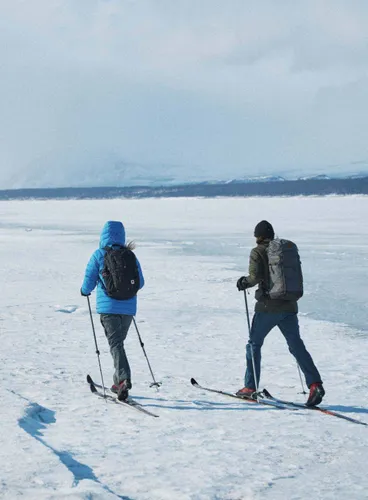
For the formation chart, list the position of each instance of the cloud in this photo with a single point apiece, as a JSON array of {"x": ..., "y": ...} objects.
[{"x": 231, "y": 88}]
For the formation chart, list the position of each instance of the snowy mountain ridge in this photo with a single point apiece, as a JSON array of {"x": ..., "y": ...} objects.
[
  {"x": 129, "y": 176},
  {"x": 101, "y": 170}
]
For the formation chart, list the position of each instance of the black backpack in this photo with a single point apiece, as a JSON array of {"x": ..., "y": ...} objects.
[{"x": 120, "y": 273}]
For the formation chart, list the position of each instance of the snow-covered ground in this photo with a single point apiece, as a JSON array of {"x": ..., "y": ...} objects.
[{"x": 59, "y": 441}]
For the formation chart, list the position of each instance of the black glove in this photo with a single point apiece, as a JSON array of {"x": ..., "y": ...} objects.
[
  {"x": 242, "y": 284},
  {"x": 84, "y": 294}
]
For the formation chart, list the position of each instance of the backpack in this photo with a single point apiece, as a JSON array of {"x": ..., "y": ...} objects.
[
  {"x": 285, "y": 270},
  {"x": 120, "y": 273}
]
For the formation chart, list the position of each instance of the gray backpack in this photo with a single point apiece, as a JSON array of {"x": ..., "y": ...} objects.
[{"x": 285, "y": 270}]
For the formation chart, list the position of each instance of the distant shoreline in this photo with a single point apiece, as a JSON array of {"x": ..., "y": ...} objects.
[{"x": 306, "y": 187}]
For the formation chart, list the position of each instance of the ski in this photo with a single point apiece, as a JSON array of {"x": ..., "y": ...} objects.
[
  {"x": 99, "y": 386},
  {"x": 111, "y": 396},
  {"x": 275, "y": 404},
  {"x": 316, "y": 408}
]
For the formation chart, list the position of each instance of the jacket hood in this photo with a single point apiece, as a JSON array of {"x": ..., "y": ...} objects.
[{"x": 113, "y": 233}]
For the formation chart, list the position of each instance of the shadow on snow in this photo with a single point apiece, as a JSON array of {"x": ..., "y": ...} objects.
[
  {"x": 200, "y": 405},
  {"x": 209, "y": 405},
  {"x": 35, "y": 421}
]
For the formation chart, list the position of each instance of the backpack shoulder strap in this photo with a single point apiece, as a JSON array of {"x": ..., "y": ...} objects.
[{"x": 262, "y": 252}]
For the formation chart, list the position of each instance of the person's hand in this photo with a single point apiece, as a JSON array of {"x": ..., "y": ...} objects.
[
  {"x": 242, "y": 284},
  {"x": 84, "y": 294}
]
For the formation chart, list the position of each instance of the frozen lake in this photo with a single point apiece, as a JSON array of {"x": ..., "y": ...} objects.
[{"x": 58, "y": 441}]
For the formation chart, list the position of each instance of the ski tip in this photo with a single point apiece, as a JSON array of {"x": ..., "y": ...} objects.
[
  {"x": 266, "y": 393},
  {"x": 193, "y": 381},
  {"x": 93, "y": 388},
  {"x": 89, "y": 379}
]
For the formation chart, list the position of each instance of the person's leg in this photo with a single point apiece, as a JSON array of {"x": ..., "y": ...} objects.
[
  {"x": 116, "y": 328},
  {"x": 289, "y": 327},
  {"x": 262, "y": 324}
]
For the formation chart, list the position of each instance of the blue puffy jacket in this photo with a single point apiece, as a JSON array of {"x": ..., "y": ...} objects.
[{"x": 113, "y": 233}]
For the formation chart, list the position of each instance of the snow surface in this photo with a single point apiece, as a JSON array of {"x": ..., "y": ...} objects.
[{"x": 58, "y": 441}]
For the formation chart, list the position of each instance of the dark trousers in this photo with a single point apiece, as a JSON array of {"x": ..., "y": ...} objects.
[
  {"x": 116, "y": 328},
  {"x": 262, "y": 324}
]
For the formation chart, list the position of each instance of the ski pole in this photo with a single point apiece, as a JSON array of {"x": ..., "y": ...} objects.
[
  {"x": 157, "y": 384},
  {"x": 250, "y": 343},
  {"x": 97, "y": 351},
  {"x": 301, "y": 379}
]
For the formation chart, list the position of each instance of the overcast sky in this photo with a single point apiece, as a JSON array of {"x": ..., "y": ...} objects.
[{"x": 221, "y": 88}]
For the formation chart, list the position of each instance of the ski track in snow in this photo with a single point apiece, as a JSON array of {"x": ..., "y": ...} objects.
[{"x": 59, "y": 442}]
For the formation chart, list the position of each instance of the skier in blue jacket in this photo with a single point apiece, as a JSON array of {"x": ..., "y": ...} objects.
[{"x": 116, "y": 315}]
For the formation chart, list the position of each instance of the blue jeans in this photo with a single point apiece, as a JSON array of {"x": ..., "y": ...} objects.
[
  {"x": 262, "y": 324},
  {"x": 116, "y": 328}
]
